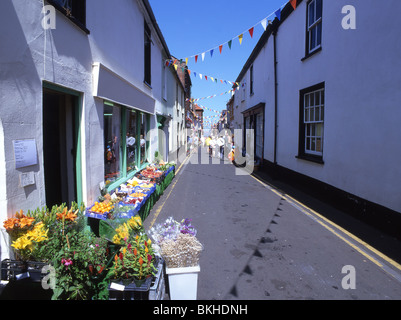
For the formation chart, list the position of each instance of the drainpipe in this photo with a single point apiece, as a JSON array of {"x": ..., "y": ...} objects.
[{"x": 275, "y": 97}]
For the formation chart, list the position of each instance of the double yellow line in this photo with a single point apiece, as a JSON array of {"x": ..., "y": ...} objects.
[{"x": 336, "y": 229}]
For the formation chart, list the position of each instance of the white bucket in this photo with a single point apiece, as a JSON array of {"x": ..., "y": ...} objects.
[{"x": 183, "y": 283}]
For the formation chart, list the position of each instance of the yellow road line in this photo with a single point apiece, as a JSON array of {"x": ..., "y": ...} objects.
[{"x": 312, "y": 213}]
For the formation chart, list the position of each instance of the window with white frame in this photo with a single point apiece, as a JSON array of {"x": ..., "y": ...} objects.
[
  {"x": 314, "y": 25},
  {"x": 312, "y": 111}
]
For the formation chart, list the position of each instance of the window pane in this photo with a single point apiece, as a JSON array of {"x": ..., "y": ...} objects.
[
  {"x": 319, "y": 34},
  {"x": 317, "y": 97},
  {"x": 112, "y": 134},
  {"x": 312, "y": 99},
  {"x": 132, "y": 139},
  {"x": 319, "y": 145},
  {"x": 318, "y": 9},
  {"x": 306, "y": 100},
  {"x": 319, "y": 130},
  {"x": 306, "y": 115},
  {"x": 312, "y": 114},
  {"x": 312, "y": 36},
  {"x": 311, "y": 13}
]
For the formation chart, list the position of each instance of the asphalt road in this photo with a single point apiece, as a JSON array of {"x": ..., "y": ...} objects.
[{"x": 262, "y": 244}]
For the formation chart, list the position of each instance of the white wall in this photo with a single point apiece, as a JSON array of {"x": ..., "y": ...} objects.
[
  {"x": 361, "y": 148},
  {"x": 361, "y": 131}
]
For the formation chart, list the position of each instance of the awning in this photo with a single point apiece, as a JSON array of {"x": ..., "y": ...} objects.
[{"x": 110, "y": 86}]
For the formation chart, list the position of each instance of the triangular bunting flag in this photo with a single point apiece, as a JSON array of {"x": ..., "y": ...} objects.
[
  {"x": 264, "y": 23},
  {"x": 294, "y": 3},
  {"x": 220, "y": 48},
  {"x": 175, "y": 66},
  {"x": 206, "y": 78},
  {"x": 189, "y": 72},
  {"x": 230, "y": 43},
  {"x": 251, "y": 32},
  {"x": 240, "y": 38},
  {"x": 203, "y": 56},
  {"x": 186, "y": 60},
  {"x": 196, "y": 58},
  {"x": 278, "y": 14},
  {"x": 195, "y": 74}
]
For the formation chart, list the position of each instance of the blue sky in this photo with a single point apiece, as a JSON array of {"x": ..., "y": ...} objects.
[{"x": 192, "y": 27}]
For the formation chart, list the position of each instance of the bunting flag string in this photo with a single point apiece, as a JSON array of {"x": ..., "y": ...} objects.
[
  {"x": 268, "y": 20},
  {"x": 177, "y": 64},
  {"x": 213, "y": 96}
]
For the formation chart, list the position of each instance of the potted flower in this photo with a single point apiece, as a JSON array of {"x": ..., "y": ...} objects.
[
  {"x": 179, "y": 247},
  {"x": 26, "y": 235}
]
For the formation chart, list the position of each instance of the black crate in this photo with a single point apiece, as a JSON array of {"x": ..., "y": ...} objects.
[
  {"x": 152, "y": 289},
  {"x": 13, "y": 270}
]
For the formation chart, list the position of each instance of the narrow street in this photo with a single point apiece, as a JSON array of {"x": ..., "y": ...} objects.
[{"x": 261, "y": 244}]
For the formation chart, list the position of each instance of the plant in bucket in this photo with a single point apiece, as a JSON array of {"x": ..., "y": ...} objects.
[{"x": 179, "y": 247}]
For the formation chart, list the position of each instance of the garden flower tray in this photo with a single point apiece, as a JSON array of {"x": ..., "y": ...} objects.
[
  {"x": 13, "y": 270},
  {"x": 152, "y": 289}
]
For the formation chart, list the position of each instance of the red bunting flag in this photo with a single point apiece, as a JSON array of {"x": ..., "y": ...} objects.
[
  {"x": 220, "y": 48},
  {"x": 251, "y": 32},
  {"x": 294, "y": 3},
  {"x": 196, "y": 58},
  {"x": 206, "y": 78}
]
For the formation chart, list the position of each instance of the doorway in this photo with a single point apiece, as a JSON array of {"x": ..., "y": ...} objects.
[{"x": 60, "y": 146}]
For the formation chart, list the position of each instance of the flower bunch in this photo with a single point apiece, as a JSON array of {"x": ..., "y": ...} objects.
[
  {"x": 135, "y": 260},
  {"x": 25, "y": 234},
  {"x": 170, "y": 229},
  {"x": 177, "y": 243},
  {"x": 124, "y": 231}
]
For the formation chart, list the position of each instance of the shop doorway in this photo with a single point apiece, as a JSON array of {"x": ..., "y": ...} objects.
[{"x": 60, "y": 146}]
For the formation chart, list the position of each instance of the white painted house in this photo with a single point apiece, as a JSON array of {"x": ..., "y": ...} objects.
[
  {"x": 81, "y": 83},
  {"x": 322, "y": 91}
]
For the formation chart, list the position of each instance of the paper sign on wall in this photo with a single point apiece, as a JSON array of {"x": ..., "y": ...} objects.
[{"x": 25, "y": 153}]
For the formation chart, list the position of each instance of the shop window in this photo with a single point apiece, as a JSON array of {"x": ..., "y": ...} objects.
[
  {"x": 112, "y": 143},
  {"x": 132, "y": 140},
  {"x": 143, "y": 143}
]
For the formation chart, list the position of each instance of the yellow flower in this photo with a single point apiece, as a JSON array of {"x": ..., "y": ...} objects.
[{"x": 21, "y": 243}]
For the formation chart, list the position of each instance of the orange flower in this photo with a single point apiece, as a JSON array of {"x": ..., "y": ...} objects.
[
  {"x": 26, "y": 222},
  {"x": 71, "y": 216},
  {"x": 20, "y": 214},
  {"x": 140, "y": 261},
  {"x": 9, "y": 224},
  {"x": 62, "y": 215}
]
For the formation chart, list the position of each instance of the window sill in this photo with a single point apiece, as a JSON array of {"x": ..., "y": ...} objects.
[
  {"x": 311, "y": 158},
  {"x": 75, "y": 21},
  {"x": 311, "y": 54}
]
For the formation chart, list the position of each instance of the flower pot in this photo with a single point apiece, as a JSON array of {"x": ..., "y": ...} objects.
[{"x": 183, "y": 283}]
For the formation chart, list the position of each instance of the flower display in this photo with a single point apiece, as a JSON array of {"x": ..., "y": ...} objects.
[
  {"x": 135, "y": 261},
  {"x": 177, "y": 243}
]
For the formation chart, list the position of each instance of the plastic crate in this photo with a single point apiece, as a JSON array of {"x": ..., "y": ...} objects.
[
  {"x": 12, "y": 270},
  {"x": 91, "y": 214},
  {"x": 152, "y": 289}
]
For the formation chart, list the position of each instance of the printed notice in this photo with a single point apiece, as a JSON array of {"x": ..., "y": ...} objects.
[{"x": 25, "y": 153}]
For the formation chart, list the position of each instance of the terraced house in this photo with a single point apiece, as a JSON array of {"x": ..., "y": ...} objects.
[
  {"x": 322, "y": 95},
  {"x": 83, "y": 83}
]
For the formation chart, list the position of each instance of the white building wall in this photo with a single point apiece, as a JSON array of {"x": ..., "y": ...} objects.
[
  {"x": 361, "y": 149},
  {"x": 65, "y": 56},
  {"x": 361, "y": 152}
]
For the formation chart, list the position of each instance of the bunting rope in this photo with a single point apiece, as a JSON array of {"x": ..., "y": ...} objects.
[
  {"x": 197, "y": 74},
  {"x": 264, "y": 22},
  {"x": 209, "y": 97}
]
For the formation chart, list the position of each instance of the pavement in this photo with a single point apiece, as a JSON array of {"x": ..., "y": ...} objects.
[{"x": 261, "y": 243}]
